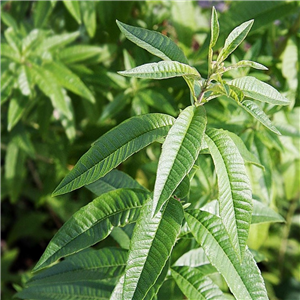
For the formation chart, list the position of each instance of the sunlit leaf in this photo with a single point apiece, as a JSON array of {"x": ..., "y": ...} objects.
[
  {"x": 162, "y": 70},
  {"x": 74, "y": 9},
  {"x": 154, "y": 42},
  {"x": 93, "y": 222},
  {"x": 195, "y": 285},
  {"x": 259, "y": 90},
  {"x": 214, "y": 28},
  {"x": 234, "y": 40},
  {"x": 151, "y": 245},
  {"x": 114, "y": 147},
  {"x": 262, "y": 213},
  {"x": 244, "y": 279},
  {"x": 179, "y": 153},
  {"x": 89, "y": 264},
  {"x": 235, "y": 195}
]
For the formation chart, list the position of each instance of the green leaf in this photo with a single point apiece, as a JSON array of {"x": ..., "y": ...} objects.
[
  {"x": 7, "y": 51},
  {"x": 179, "y": 153},
  {"x": 193, "y": 258},
  {"x": 259, "y": 90},
  {"x": 156, "y": 100},
  {"x": 248, "y": 156},
  {"x": 24, "y": 80},
  {"x": 214, "y": 28},
  {"x": 162, "y": 70},
  {"x": 234, "y": 40},
  {"x": 86, "y": 265},
  {"x": 15, "y": 111},
  {"x": 42, "y": 10},
  {"x": 254, "y": 110},
  {"x": 93, "y": 222},
  {"x": 113, "y": 180},
  {"x": 246, "y": 63},
  {"x": 8, "y": 20},
  {"x": 235, "y": 195},
  {"x": 243, "y": 278},
  {"x": 69, "y": 80},
  {"x": 154, "y": 42},
  {"x": 74, "y": 9},
  {"x": 13, "y": 40},
  {"x": 262, "y": 213},
  {"x": 114, "y": 147},
  {"x": 79, "y": 53},
  {"x": 48, "y": 85},
  {"x": 114, "y": 107},
  {"x": 183, "y": 188},
  {"x": 195, "y": 285},
  {"x": 150, "y": 248},
  {"x": 58, "y": 41},
  {"x": 88, "y": 290},
  {"x": 89, "y": 17}
]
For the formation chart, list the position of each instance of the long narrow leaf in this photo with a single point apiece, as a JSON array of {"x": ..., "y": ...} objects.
[
  {"x": 259, "y": 90},
  {"x": 180, "y": 150},
  {"x": 113, "y": 180},
  {"x": 263, "y": 213},
  {"x": 234, "y": 40},
  {"x": 84, "y": 266},
  {"x": 87, "y": 290},
  {"x": 195, "y": 285},
  {"x": 93, "y": 222},
  {"x": 214, "y": 28},
  {"x": 154, "y": 42},
  {"x": 162, "y": 70},
  {"x": 150, "y": 248},
  {"x": 114, "y": 147},
  {"x": 234, "y": 188},
  {"x": 254, "y": 110},
  {"x": 244, "y": 279},
  {"x": 69, "y": 80}
]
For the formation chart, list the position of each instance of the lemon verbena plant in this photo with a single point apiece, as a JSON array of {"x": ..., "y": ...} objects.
[{"x": 162, "y": 217}]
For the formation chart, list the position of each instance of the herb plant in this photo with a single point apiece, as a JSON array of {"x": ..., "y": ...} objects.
[{"x": 149, "y": 224}]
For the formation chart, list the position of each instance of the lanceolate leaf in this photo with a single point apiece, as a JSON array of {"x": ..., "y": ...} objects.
[
  {"x": 214, "y": 28},
  {"x": 93, "y": 222},
  {"x": 195, "y": 285},
  {"x": 262, "y": 213},
  {"x": 89, "y": 264},
  {"x": 253, "y": 109},
  {"x": 234, "y": 40},
  {"x": 113, "y": 180},
  {"x": 179, "y": 152},
  {"x": 162, "y": 70},
  {"x": 88, "y": 290},
  {"x": 15, "y": 111},
  {"x": 234, "y": 188},
  {"x": 114, "y": 147},
  {"x": 150, "y": 248},
  {"x": 74, "y": 9},
  {"x": 154, "y": 42},
  {"x": 69, "y": 80},
  {"x": 258, "y": 90},
  {"x": 48, "y": 85},
  {"x": 244, "y": 279},
  {"x": 246, "y": 63}
]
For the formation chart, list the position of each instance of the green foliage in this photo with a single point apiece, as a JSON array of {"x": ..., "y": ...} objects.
[{"x": 188, "y": 188}]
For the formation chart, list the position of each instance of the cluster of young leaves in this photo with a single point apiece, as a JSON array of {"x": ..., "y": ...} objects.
[{"x": 155, "y": 221}]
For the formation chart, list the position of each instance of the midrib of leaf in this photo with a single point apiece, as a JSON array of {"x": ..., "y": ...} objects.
[
  {"x": 228, "y": 202},
  {"x": 237, "y": 276},
  {"x": 189, "y": 284},
  {"x": 105, "y": 162}
]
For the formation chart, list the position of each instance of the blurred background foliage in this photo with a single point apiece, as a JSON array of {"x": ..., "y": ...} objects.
[{"x": 60, "y": 91}]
